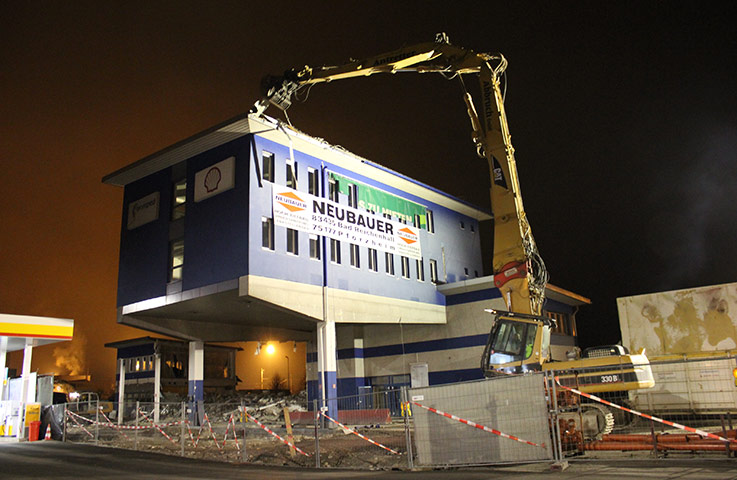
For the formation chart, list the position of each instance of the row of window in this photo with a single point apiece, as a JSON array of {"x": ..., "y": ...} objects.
[
  {"x": 139, "y": 364},
  {"x": 267, "y": 242}
]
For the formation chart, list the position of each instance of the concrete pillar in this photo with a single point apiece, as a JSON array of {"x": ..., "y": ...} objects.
[
  {"x": 196, "y": 380},
  {"x": 25, "y": 375},
  {"x": 3, "y": 369},
  {"x": 157, "y": 386},
  {"x": 121, "y": 390},
  {"x": 327, "y": 355}
]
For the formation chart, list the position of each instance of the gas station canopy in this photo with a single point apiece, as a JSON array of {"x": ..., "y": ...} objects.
[{"x": 43, "y": 330}]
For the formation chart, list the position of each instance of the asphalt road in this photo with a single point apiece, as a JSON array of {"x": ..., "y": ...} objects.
[{"x": 56, "y": 460}]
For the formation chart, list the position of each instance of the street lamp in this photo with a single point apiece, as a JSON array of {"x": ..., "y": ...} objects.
[{"x": 289, "y": 378}]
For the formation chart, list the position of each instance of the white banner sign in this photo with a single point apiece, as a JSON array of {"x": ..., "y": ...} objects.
[
  {"x": 143, "y": 211},
  {"x": 308, "y": 213},
  {"x": 214, "y": 179}
]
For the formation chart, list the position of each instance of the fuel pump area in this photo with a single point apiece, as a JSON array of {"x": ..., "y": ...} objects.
[{"x": 20, "y": 400}]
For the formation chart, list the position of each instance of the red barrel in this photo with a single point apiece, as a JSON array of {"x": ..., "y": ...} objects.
[{"x": 33, "y": 430}]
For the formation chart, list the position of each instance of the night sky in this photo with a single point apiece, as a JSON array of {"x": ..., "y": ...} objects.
[{"x": 623, "y": 116}]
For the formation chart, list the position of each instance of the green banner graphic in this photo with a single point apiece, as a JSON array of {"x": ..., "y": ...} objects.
[{"x": 379, "y": 201}]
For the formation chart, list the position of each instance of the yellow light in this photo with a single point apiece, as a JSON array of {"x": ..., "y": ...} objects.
[
  {"x": 734, "y": 372},
  {"x": 270, "y": 349}
]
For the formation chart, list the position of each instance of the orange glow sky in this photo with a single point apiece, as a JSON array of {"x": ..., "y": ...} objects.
[{"x": 623, "y": 122}]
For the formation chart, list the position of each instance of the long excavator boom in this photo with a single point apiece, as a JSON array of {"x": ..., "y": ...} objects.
[{"x": 519, "y": 272}]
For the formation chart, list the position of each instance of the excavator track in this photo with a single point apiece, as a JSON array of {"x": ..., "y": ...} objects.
[{"x": 598, "y": 420}]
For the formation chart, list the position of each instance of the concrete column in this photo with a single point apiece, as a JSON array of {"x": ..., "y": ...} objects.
[
  {"x": 121, "y": 390},
  {"x": 26, "y": 373},
  {"x": 196, "y": 379},
  {"x": 327, "y": 355},
  {"x": 3, "y": 372},
  {"x": 157, "y": 386}
]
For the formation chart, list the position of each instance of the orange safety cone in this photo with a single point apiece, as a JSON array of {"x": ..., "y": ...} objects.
[{"x": 48, "y": 433}]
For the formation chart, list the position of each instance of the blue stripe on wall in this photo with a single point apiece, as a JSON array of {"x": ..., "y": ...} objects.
[
  {"x": 476, "y": 296},
  {"x": 414, "y": 347}
]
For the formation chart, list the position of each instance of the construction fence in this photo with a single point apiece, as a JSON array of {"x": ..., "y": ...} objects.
[{"x": 540, "y": 417}]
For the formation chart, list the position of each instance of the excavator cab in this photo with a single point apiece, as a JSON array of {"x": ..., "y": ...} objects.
[{"x": 517, "y": 343}]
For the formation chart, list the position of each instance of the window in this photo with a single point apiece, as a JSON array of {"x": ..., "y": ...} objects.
[
  {"x": 463, "y": 225},
  {"x": 476, "y": 273},
  {"x": 416, "y": 221},
  {"x": 472, "y": 227},
  {"x": 333, "y": 189},
  {"x": 511, "y": 337},
  {"x": 314, "y": 247},
  {"x": 430, "y": 221},
  {"x": 405, "y": 267},
  {"x": 355, "y": 256},
  {"x": 373, "y": 260},
  {"x": 267, "y": 233},
  {"x": 420, "y": 270},
  {"x": 314, "y": 181},
  {"x": 267, "y": 166},
  {"x": 563, "y": 323},
  {"x": 433, "y": 271},
  {"x": 465, "y": 271},
  {"x": 179, "y": 199},
  {"x": 352, "y": 195},
  {"x": 292, "y": 241},
  {"x": 176, "y": 260},
  {"x": 291, "y": 174},
  {"x": 389, "y": 259},
  {"x": 335, "y": 251}
]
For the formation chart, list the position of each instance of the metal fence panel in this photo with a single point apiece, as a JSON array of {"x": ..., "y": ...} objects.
[
  {"x": 514, "y": 405},
  {"x": 689, "y": 413}
]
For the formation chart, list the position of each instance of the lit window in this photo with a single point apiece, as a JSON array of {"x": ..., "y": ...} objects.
[
  {"x": 291, "y": 174},
  {"x": 433, "y": 271},
  {"x": 389, "y": 259},
  {"x": 335, "y": 251},
  {"x": 430, "y": 221},
  {"x": 292, "y": 242},
  {"x": 314, "y": 247},
  {"x": 176, "y": 260},
  {"x": 267, "y": 166},
  {"x": 352, "y": 195},
  {"x": 267, "y": 233},
  {"x": 405, "y": 267},
  {"x": 355, "y": 256},
  {"x": 420, "y": 270},
  {"x": 314, "y": 181},
  {"x": 373, "y": 260},
  {"x": 179, "y": 199}
]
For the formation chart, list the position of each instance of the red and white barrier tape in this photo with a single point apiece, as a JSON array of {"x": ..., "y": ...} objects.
[
  {"x": 276, "y": 435},
  {"x": 72, "y": 415},
  {"x": 214, "y": 438},
  {"x": 123, "y": 427},
  {"x": 116, "y": 426},
  {"x": 644, "y": 415},
  {"x": 480, "y": 427},
  {"x": 356, "y": 433},
  {"x": 157, "y": 427}
]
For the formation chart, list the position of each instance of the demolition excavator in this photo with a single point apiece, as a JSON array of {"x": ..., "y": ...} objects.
[{"x": 519, "y": 340}]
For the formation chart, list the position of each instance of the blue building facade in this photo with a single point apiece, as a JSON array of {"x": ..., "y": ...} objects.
[{"x": 208, "y": 254}]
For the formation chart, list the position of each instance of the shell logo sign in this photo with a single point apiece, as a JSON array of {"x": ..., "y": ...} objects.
[{"x": 214, "y": 180}]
